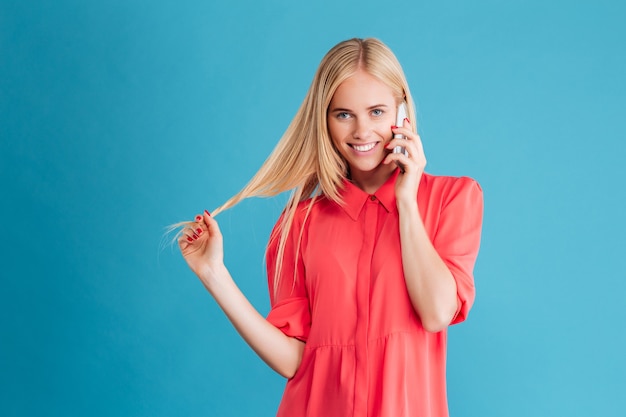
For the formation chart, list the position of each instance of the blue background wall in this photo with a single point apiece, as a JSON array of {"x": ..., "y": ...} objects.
[{"x": 118, "y": 118}]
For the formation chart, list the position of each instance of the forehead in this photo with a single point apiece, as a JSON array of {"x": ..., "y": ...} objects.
[{"x": 362, "y": 87}]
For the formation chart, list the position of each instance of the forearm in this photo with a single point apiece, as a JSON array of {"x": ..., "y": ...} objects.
[
  {"x": 429, "y": 282},
  {"x": 281, "y": 352}
]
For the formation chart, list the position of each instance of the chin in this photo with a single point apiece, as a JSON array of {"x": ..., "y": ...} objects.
[{"x": 366, "y": 167}]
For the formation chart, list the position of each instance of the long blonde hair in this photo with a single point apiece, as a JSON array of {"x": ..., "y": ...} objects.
[{"x": 305, "y": 159}]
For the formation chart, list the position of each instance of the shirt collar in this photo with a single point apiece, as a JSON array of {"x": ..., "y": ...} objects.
[{"x": 354, "y": 198}]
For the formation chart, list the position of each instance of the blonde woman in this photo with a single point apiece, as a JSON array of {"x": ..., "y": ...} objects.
[{"x": 372, "y": 258}]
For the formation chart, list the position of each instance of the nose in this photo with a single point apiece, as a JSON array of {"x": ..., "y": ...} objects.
[{"x": 362, "y": 129}]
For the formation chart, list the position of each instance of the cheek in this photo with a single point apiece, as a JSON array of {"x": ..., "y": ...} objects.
[
  {"x": 384, "y": 129},
  {"x": 334, "y": 131}
]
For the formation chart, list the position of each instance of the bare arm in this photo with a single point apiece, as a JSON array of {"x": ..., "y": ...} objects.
[
  {"x": 429, "y": 282},
  {"x": 201, "y": 246}
]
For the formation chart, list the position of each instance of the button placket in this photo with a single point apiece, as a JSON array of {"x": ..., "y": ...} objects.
[{"x": 369, "y": 220}]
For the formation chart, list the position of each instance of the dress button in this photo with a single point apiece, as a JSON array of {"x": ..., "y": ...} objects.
[{"x": 373, "y": 197}]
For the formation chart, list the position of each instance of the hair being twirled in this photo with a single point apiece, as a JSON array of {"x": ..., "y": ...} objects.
[{"x": 305, "y": 161}]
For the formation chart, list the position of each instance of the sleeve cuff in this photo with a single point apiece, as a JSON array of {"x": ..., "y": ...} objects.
[{"x": 293, "y": 317}]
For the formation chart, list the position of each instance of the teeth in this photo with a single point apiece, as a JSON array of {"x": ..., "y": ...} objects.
[{"x": 364, "y": 148}]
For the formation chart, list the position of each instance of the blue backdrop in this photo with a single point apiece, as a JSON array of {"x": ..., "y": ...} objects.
[{"x": 118, "y": 118}]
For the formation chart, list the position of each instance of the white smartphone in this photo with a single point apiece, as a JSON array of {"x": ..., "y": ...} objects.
[{"x": 400, "y": 116}]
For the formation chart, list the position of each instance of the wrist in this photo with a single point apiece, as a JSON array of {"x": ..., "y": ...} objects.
[
  {"x": 406, "y": 204},
  {"x": 212, "y": 276}
]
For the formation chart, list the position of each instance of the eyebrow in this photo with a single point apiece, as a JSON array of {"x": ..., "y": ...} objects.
[{"x": 340, "y": 109}]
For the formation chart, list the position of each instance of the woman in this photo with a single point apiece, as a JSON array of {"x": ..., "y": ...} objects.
[{"x": 372, "y": 258}]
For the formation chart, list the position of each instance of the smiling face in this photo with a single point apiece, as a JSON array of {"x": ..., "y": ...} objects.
[{"x": 360, "y": 117}]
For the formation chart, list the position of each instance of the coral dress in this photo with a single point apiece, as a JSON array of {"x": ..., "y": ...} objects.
[{"x": 366, "y": 352}]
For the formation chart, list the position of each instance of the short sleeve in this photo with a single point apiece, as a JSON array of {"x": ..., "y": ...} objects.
[
  {"x": 457, "y": 239},
  {"x": 290, "y": 311}
]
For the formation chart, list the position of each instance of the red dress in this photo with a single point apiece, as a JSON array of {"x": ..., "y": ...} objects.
[{"x": 366, "y": 353}]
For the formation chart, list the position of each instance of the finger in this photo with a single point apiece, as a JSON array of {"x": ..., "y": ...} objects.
[
  {"x": 212, "y": 226},
  {"x": 408, "y": 145},
  {"x": 418, "y": 143},
  {"x": 409, "y": 135},
  {"x": 183, "y": 241},
  {"x": 193, "y": 231},
  {"x": 399, "y": 159},
  {"x": 206, "y": 216},
  {"x": 199, "y": 227},
  {"x": 413, "y": 159},
  {"x": 186, "y": 237},
  {"x": 402, "y": 130},
  {"x": 413, "y": 141}
]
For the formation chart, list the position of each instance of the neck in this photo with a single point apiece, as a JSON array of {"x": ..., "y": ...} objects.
[{"x": 371, "y": 181}]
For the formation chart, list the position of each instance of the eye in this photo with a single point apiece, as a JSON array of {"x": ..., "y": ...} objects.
[
  {"x": 377, "y": 112},
  {"x": 343, "y": 115}
]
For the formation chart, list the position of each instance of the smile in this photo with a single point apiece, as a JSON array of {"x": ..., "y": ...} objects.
[{"x": 364, "y": 148}]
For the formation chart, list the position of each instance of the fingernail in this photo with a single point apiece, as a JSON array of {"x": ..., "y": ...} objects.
[
  {"x": 198, "y": 218},
  {"x": 199, "y": 231},
  {"x": 189, "y": 239},
  {"x": 406, "y": 119},
  {"x": 195, "y": 236},
  {"x": 207, "y": 212}
]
